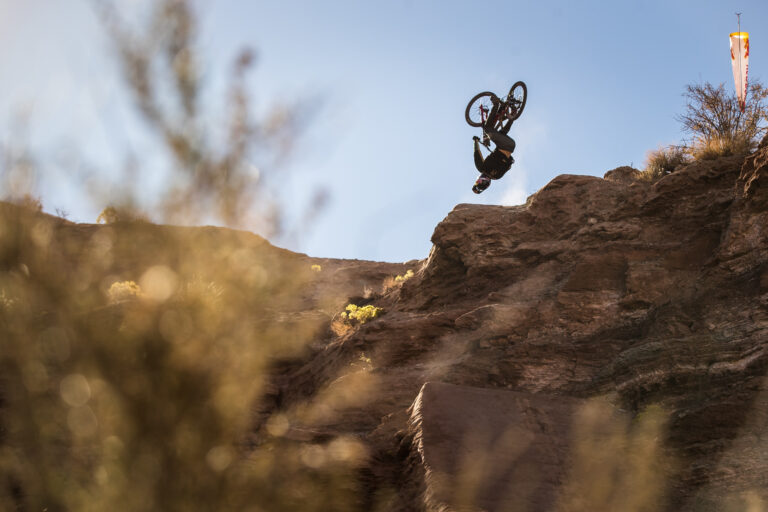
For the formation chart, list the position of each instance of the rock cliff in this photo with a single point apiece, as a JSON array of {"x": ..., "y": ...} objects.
[{"x": 617, "y": 292}]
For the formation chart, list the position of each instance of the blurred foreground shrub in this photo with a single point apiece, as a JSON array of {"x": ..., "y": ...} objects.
[
  {"x": 108, "y": 216},
  {"x": 28, "y": 201},
  {"x": 123, "y": 290},
  {"x": 147, "y": 404},
  {"x": 616, "y": 464}
]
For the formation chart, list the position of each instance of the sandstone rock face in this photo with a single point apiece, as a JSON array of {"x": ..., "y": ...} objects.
[
  {"x": 623, "y": 174},
  {"x": 638, "y": 294}
]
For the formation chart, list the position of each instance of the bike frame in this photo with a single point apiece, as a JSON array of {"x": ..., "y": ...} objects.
[{"x": 503, "y": 106}]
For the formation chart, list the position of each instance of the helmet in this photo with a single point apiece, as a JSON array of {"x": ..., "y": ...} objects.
[{"x": 482, "y": 183}]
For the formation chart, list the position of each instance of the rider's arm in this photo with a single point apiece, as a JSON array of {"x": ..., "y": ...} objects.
[{"x": 478, "y": 157}]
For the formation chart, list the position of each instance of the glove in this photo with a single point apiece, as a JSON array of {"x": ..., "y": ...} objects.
[{"x": 476, "y": 138}]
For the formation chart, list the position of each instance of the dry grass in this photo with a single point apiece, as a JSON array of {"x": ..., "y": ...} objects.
[
  {"x": 663, "y": 161},
  {"x": 391, "y": 283},
  {"x": 716, "y": 147},
  {"x": 340, "y": 327}
]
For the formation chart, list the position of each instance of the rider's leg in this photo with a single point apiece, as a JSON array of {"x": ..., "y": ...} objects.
[
  {"x": 490, "y": 122},
  {"x": 490, "y": 125},
  {"x": 478, "y": 157},
  {"x": 502, "y": 141},
  {"x": 506, "y": 125},
  {"x": 499, "y": 137}
]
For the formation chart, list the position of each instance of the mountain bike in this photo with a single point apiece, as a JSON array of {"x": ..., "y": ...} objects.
[{"x": 510, "y": 108}]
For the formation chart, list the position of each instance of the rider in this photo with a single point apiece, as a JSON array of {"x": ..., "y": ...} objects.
[{"x": 500, "y": 160}]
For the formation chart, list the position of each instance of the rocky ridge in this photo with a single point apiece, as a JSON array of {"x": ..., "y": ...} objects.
[{"x": 631, "y": 293}]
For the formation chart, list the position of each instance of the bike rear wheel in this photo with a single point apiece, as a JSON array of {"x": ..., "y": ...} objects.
[
  {"x": 516, "y": 99},
  {"x": 475, "y": 107}
]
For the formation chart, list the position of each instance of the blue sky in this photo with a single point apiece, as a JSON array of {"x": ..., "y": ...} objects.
[{"x": 391, "y": 80}]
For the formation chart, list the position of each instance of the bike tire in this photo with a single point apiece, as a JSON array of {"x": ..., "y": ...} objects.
[
  {"x": 473, "y": 107},
  {"x": 518, "y": 95}
]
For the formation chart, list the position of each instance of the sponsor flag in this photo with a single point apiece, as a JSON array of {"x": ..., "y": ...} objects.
[{"x": 740, "y": 64}]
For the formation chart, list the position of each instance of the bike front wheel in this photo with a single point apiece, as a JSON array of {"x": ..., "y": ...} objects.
[
  {"x": 516, "y": 99},
  {"x": 479, "y": 107}
]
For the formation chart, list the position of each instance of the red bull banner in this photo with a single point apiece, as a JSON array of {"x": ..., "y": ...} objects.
[{"x": 740, "y": 64}]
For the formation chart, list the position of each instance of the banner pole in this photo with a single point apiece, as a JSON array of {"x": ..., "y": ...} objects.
[{"x": 741, "y": 85}]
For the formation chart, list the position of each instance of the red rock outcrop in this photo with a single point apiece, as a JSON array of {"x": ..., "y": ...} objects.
[{"x": 641, "y": 294}]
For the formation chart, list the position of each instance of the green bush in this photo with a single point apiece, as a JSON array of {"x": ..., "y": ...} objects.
[
  {"x": 407, "y": 276},
  {"x": 361, "y": 315}
]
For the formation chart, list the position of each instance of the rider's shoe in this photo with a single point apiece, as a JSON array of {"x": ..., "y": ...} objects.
[
  {"x": 482, "y": 183},
  {"x": 486, "y": 139}
]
